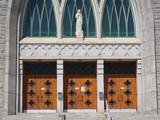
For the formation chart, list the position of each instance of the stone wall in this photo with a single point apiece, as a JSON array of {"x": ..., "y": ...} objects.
[
  {"x": 156, "y": 9},
  {"x": 148, "y": 87},
  {"x": 3, "y": 12}
]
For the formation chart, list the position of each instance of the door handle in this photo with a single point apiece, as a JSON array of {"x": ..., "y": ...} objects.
[
  {"x": 120, "y": 98},
  {"x": 38, "y": 98},
  {"x": 41, "y": 98},
  {"x": 78, "y": 98},
  {"x": 82, "y": 98}
]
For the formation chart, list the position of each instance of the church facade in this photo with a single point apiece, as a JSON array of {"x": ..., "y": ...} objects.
[{"x": 79, "y": 56}]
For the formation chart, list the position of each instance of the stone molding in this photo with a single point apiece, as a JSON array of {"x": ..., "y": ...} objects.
[{"x": 43, "y": 50}]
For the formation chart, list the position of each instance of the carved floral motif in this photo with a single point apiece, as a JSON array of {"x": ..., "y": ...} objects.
[{"x": 80, "y": 50}]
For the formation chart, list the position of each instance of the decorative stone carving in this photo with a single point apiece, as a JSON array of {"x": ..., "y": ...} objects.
[
  {"x": 67, "y": 51},
  {"x": 93, "y": 50},
  {"x": 40, "y": 50},
  {"x": 107, "y": 51},
  {"x": 133, "y": 50},
  {"x": 71, "y": 51},
  {"x": 27, "y": 50},
  {"x": 51, "y": 49},
  {"x": 81, "y": 51},
  {"x": 120, "y": 50}
]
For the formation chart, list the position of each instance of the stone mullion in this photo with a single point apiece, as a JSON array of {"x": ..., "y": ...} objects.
[
  {"x": 59, "y": 85},
  {"x": 100, "y": 85},
  {"x": 20, "y": 86},
  {"x": 140, "y": 89}
]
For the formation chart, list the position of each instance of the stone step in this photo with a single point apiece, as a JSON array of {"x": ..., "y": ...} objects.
[
  {"x": 58, "y": 116},
  {"x": 86, "y": 116}
]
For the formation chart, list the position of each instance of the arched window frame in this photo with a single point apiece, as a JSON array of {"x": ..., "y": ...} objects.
[
  {"x": 98, "y": 14},
  {"x": 136, "y": 20},
  {"x": 94, "y": 5},
  {"x": 55, "y": 5}
]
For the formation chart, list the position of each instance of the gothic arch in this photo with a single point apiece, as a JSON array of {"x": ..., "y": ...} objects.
[
  {"x": 39, "y": 19},
  {"x": 145, "y": 25},
  {"x": 135, "y": 12},
  {"x": 22, "y": 12},
  {"x": 14, "y": 29},
  {"x": 95, "y": 15}
]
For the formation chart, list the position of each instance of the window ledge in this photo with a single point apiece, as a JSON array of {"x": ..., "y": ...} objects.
[{"x": 48, "y": 40}]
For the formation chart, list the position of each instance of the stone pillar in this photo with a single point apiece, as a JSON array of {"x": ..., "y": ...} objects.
[
  {"x": 20, "y": 97},
  {"x": 59, "y": 85},
  {"x": 140, "y": 89},
  {"x": 100, "y": 85}
]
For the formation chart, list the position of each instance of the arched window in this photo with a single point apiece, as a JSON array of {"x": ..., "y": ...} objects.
[
  {"x": 69, "y": 20},
  {"x": 39, "y": 19},
  {"x": 118, "y": 19}
]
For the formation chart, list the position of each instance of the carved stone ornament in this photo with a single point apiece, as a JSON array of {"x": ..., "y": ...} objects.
[{"x": 70, "y": 51}]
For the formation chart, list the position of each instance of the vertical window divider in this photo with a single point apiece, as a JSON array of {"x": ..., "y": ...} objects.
[{"x": 128, "y": 18}]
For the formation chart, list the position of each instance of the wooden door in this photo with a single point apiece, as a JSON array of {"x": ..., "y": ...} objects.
[
  {"x": 80, "y": 93},
  {"x": 39, "y": 92},
  {"x": 120, "y": 91}
]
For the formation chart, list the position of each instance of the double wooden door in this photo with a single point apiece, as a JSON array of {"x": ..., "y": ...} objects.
[
  {"x": 80, "y": 93},
  {"x": 39, "y": 93},
  {"x": 120, "y": 91}
]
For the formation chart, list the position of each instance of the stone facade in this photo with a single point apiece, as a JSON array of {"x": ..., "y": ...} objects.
[
  {"x": 3, "y": 13},
  {"x": 156, "y": 9},
  {"x": 148, "y": 31}
]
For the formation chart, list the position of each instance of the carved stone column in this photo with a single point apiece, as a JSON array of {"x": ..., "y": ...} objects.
[
  {"x": 100, "y": 85},
  {"x": 59, "y": 85}
]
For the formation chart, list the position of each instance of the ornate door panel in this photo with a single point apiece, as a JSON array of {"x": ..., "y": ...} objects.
[
  {"x": 39, "y": 93},
  {"x": 111, "y": 92},
  {"x": 80, "y": 93},
  {"x": 120, "y": 92},
  {"x": 128, "y": 92}
]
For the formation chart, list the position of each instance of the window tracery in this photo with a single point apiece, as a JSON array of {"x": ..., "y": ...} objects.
[
  {"x": 118, "y": 19},
  {"x": 39, "y": 19},
  {"x": 69, "y": 18}
]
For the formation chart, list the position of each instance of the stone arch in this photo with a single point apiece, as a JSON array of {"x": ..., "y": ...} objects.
[
  {"x": 39, "y": 19},
  {"x": 22, "y": 13},
  {"x": 135, "y": 12},
  {"x": 95, "y": 13},
  {"x": 147, "y": 86},
  {"x": 14, "y": 29},
  {"x": 11, "y": 57}
]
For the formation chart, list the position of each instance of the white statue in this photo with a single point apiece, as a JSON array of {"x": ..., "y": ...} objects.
[{"x": 79, "y": 22}]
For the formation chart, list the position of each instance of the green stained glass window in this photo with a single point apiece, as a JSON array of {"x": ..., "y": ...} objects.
[
  {"x": 39, "y": 19},
  {"x": 59, "y": 1},
  {"x": 98, "y": 1},
  {"x": 69, "y": 20},
  {"x": 118, "y": 19}
]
